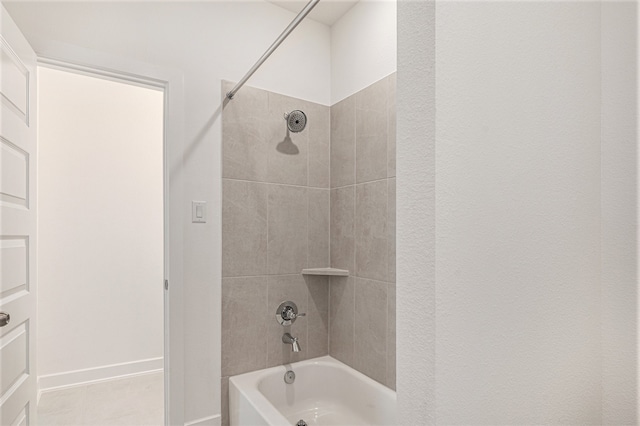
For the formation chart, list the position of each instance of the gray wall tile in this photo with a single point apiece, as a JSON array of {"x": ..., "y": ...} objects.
[
  {"x": 273, "y": 225},
  {"x": 391, "y": 126},
  {"x": 224, "y": 392},
  {"x": 247, "y": 102},
  {"x": 371, "y": 132},
  {"x": 319, "y": 127},
  {"x": 371, "y": 230},
  {"x": 343, "y": 143},
  {"x": 319, "y": 218},
  {"x": 343, "y": 228},
  {"x": 391, "y": 229},
  {"x": 287, "y": 154},
  {"x": 244, "y": 330},
  {"x": 341, "y": 318},
  {"x": 351, "y": 227},
  {"x": 244, "y": 228},
  {"x": 244, "y": 150},
  {"x": 244, "y": 135},
  {"x": 391, "y": 336},
  {"x": 287, "y": 249},
  {"x": 361, "y": 238},
  {"x": 370, "y": 344},
  {"x": 317, "y": 315},
  {"x": 373, "y": 97}
]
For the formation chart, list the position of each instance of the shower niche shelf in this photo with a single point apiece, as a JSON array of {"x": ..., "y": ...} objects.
[{"x": 333, "y": 272}]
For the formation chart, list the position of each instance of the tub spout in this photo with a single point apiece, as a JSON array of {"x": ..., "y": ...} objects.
[{"x": 288, "y": 338}]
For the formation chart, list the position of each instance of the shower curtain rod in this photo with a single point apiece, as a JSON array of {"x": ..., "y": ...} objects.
[{"x": 304, "y": 12}]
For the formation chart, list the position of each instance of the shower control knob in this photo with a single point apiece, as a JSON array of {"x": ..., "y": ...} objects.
[{"x": 287, "y": 313}]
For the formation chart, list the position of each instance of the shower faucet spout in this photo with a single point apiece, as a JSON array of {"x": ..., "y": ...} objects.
[{"x": 293, "y": 341}]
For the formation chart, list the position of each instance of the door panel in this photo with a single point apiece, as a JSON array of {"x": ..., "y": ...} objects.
[
  {"x": 14, "y": 173},
  {"x": 15, "y": 81},
  {"x": 17, "y": 225},
  {"x": 14, "y": 253}
]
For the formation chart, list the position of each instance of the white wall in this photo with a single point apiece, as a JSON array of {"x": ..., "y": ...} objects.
[
  {"x": 619, "y": 212},
  {"x": 517, "y": 213},
  {"x": 100, "y": 228},
  {"x": 208, "y": 42},
  {"x": 415, "y": 214},
  {"x": 363, "y": 47}
]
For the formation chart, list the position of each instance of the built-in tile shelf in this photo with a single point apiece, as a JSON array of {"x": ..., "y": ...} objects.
[{"x": 326, "y": 271}]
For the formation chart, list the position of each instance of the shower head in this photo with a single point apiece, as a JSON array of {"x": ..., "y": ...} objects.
[{"x": 296, "y": 120}]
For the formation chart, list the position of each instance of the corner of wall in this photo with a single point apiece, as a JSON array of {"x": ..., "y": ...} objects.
[
  {"x": 363, "y": 47},
  {"x": 416, "y": 212}
]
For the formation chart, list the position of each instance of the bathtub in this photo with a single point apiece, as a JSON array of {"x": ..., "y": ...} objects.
[{"x": 325, "y": 392}]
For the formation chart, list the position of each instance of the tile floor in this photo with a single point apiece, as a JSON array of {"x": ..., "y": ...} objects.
[{"x": 132, "y": 401}]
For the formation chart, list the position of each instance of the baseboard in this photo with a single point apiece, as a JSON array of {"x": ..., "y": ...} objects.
[
  {"x": 206, "y": 421},
  {"x": 98, "y": 374}
]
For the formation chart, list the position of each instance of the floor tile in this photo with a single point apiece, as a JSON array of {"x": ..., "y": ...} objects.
[{"x": 131, "y": 401}]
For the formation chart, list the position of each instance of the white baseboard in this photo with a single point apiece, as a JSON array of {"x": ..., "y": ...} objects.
[
  {"x": 98, "y": 374},
  {"x": 206, "y": 421}
]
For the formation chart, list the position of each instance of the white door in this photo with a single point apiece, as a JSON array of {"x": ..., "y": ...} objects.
[{"x": 17, "y": 226}]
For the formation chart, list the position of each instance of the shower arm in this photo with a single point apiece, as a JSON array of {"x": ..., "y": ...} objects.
[{"x": 303, "y": 13}]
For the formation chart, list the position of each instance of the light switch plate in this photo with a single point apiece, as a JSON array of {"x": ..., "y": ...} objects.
[{"x": 199, "y": 211}]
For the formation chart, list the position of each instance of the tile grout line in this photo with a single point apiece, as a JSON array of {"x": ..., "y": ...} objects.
[
  {"x": 276, "y": 183},
  {"x": 355, "y": 138},
  {"x": 308, "y": 152},
  {"x": 386, "y": 231},
  {"x": 306, "y": 323},
  {"x": 266, "y": 313},
  {"x": 266, "y": 302},
  {"x": 329, "y": 279},
  {"x": 360, "y": 183},
  {"x": 308, "y": 227},
  {"x": 388, "y": 333},
  {"x": 261, "y": 275},
  {"x": 355, "y": 228}
]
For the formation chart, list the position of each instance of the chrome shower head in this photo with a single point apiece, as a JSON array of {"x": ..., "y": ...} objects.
[{"x": 296, "y": 120}]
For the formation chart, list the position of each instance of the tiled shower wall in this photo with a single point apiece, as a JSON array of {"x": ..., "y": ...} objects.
[
  {"x": 362, "y": 306},
  {"x": 325, "y": 196},
  {"x": 275, "y": 222}
]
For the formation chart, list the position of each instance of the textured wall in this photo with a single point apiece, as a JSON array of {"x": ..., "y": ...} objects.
[
  {"x": 362, "y": 306},
  {"x": 619, "y": 212},
  {"x": 416, "y": 213},
  {"x": 517, "y": 213},
  {"x": 275, "y": 222}
]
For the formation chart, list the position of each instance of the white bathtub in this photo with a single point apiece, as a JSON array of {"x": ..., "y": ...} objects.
[{"x": 325, "y": 392}]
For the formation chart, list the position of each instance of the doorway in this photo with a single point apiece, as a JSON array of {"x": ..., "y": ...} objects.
[{"x": 100, "y": 251}]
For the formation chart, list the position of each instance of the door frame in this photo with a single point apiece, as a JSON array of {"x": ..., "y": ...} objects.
[{"x": 87, "y": 62}]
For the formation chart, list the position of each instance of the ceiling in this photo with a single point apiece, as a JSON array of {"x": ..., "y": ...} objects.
[{"x": 327, "y": 11}]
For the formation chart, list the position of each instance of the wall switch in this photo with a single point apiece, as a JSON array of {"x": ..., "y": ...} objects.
[{"x": 199, "y": 211}]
